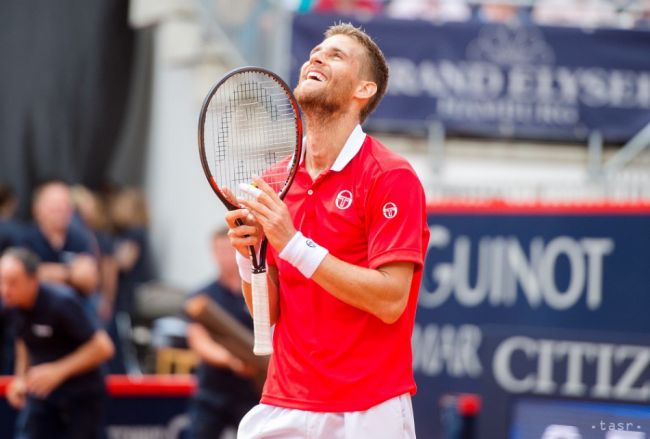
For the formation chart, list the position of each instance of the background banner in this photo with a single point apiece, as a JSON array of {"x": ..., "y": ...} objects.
[
  {"x": 538, "y": 304},
  {"x": 496, "y": 80}
]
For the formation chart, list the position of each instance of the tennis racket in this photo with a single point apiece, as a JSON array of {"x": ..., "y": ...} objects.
[{"x": 250, "y": 125}]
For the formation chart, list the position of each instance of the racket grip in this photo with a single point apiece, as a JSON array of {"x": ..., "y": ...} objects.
[{"x": 261, "y": 317}]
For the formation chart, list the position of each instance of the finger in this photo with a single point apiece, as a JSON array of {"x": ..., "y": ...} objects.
[
  {"x": 243, "y": 231},
  {"x": 251, "y": 190},
  {"x": 233, "y": 215},
  {"x": 264, "y": 197},
  {"x": 267, "y": 189},
  {"x": 230, "y": 196},
  {"x": 259, "y": 210},
  {"x": 244, "y": 241}
]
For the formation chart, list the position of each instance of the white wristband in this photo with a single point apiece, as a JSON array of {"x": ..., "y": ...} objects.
[
  {"x": 304, "y": 254},
  {"x": 245, "y": 267}
]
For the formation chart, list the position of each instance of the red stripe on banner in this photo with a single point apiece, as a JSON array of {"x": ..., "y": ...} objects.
[
  {"x": 151, "y": 385},
  {"x": 503, "y": 207},
  {"x": 147, "y": 385},
  {"x": 4, "y": 382}
]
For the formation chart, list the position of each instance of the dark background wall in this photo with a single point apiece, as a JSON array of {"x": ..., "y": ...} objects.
[{"x": 66, "y": 75}]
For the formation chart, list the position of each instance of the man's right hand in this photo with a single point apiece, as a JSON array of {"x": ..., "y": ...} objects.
[
  {"x": 249, "y": 233},
  {"x": 17, "y": 393}
]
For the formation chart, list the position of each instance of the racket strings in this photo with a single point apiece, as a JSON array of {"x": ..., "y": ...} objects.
[{"x": 252, "y": 129}]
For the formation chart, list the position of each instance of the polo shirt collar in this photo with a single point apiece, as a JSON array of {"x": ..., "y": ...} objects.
[{"x": 349, "y": 150}]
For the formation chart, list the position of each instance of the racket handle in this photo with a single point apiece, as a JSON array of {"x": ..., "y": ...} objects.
[{"x": 261, "y": 316}]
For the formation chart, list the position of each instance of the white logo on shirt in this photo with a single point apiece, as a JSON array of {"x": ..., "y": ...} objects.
[
  {"x": 390, "y": 210},
  {"x": 42, "y": 330},
  {"x": 344, "y": 199}
]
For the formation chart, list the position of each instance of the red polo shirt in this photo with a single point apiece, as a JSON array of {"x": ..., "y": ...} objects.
[{"x": 368, "y": 210}]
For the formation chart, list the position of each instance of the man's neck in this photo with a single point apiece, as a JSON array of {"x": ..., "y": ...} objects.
[
  {"x": 325, "y": 140},
  {"x": 30, "y": 299},
  {"x": 55, "y": 237}
]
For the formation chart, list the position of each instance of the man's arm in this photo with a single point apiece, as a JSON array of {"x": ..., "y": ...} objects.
[
  {"x": 382, "y": 292},
  {"x": 82, "y": 273},
  {"x": 44, "y": 378},
  {"x": 17, "y": 389},
  {"x": 212, "y": 352}
]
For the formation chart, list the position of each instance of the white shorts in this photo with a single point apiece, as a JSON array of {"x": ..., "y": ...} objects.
[{"x": 392, "y": 419}]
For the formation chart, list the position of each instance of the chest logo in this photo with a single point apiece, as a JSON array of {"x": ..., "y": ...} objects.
[
  {"x": 390, "y": 210},
  {"x": 42, "y": 331},
  {"x": 344, "y": 199}
]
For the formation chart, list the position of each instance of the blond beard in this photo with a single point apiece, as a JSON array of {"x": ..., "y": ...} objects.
[{"x": 321, "y": 106}]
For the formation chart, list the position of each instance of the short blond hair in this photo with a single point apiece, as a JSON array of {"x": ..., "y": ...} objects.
[{"x": 378, "y": 67}]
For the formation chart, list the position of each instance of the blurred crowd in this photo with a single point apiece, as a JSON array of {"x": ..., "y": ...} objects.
[
  {"x": 93, "y": 242},
  {"x": 579, "y": 13}
]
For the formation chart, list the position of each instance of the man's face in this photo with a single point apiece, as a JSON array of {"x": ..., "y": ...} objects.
[
  {"x": 16, "y": 287},
  {"x": 53, "y": 207},
  {"x": 329, "y": 78}
]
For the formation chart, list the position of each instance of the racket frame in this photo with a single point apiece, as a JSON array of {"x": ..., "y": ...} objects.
[{"x": 258, "y": 262}]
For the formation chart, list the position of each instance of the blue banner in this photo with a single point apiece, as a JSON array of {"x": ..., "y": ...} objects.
[
  {"x": 496, "y": 80},
  {"x": 550, "y": 306}
]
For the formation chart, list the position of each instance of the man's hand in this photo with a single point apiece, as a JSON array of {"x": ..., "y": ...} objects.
[
  {"x": 271, "y": 213},
  {"x": 43, "y": 379},
  {"x": 53, "y": 272},
  {"x": 248, "y": 233},
  {"x": 17, "y": 393}
]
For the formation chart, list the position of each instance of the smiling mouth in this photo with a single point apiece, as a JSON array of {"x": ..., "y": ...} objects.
[{"x": 316, "y": 76}]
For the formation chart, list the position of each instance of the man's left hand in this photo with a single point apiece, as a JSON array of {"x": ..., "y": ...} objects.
[{"x": 272, "y": 214}]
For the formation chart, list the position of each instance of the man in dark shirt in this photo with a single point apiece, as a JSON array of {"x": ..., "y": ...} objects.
[
  {"x": 10, "y": 235},
  {"x": 66, "y": 252},
  {"x": 58, "y": 384},
  {"x": 226, "y": 389}
]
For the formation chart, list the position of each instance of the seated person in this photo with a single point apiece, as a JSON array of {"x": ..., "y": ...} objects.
[
  {"x": 226, "y": 390},
  {"x": 66, "y": 252}
]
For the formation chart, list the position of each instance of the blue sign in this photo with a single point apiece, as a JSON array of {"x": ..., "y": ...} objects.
[
  {"x": 550, "y": 306},
  {"x": 496, "y": 80},
  {"x": 535, "y": 419}
]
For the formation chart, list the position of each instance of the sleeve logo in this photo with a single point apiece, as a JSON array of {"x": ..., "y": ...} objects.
[
  {"x": 344, "y": 199},
  {"x": 390, "y": 210},
  {"x": 42, "y": 331}
]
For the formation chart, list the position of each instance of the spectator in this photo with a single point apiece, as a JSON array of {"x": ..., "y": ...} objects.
[
  {"x": 643, "y": 18},
  {"x": 66, "y": 252},
  {"x": 10, "y": 229},
  {"x": 349, "y": 6},
  {"x": 435, "y": 10},
  {"x": 130, "y": 219},
  {"x": 58, "y": 385},
  {"x": 225, "y": 391},
  {"x": 93, "y": 214},
  {"x": 10, "y": 235},
  {"x": 501, "y": 12},
  {"x": 582, "y": 13}
]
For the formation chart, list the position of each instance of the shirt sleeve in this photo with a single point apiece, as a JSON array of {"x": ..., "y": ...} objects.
[
  {"x": 80, "y": 240},
  {"x": 396, "y": 218},
  {"x": 75, "y": 319}
]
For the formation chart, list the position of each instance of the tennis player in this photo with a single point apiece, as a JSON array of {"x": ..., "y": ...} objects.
[{"x": 345, "y": 262}]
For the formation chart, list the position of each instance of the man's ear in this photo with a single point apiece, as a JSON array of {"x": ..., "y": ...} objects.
[{"x": 365, "y": 90}]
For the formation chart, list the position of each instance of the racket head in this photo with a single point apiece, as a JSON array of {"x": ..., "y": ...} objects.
[{"x": 249, "y": 125}]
